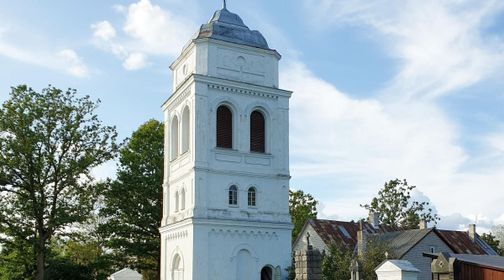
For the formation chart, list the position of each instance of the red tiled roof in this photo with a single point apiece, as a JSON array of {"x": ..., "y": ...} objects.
[
  {"x": 344, "y": 233},
  {"x": 460, "y": 242}
]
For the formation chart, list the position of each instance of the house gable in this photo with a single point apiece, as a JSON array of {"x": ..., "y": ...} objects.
[
  {"x": 415, "y": 253},
  {"x": 315, "y": 240}
]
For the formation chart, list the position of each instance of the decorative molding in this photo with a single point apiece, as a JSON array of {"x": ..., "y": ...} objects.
[
  {"x": 240, "y": 91},
  {"x": 179, "y": 99},
  {"x": 243, "y": 234},
  {"x": 177, "y": 235}
]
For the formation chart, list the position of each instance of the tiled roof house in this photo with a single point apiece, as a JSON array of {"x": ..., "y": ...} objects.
[{"x": 405, "y": 244}]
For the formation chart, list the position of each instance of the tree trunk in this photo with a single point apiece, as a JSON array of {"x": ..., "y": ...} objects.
[{"x": 41, "y": 256}]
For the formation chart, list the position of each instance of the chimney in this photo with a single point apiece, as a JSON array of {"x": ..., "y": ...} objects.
[
  {"x": 422, "y": 224},
  {"x": 472, "y": 232},
  {"x": 374, "y": 219},
  {"x": 361, "y": 240}
]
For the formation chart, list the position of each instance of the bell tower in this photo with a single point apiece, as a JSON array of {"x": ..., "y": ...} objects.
[{"x": 226, "y": 167}]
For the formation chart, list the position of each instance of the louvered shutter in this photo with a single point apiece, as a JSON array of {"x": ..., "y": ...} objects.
[
  {"x": 257, "y": 132},
  {"x": 224, "y": 128}
]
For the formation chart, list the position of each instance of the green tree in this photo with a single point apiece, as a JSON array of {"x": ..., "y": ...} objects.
[
  {"x": 336, "y": 263},
  {"x": 302, "y": 207},
  {"x": 491, "y": 240},
  {"x": 17, "y": 261},
  {"x": 49, "y": 143},
  {"x": 376, "y": 252},
  {"x": 132, "y": 202},
  {"x": 78, "y": 258},
  {"x": 397, "y": 208}
]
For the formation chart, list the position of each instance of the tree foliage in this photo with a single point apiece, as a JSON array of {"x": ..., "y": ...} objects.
[
  {"x": 49, "y": 142},
  {"x": 132, "y": 203},
  {"x": 301, "y": 208},
  {"x": 396, "y": 207},
  {"x": 492, "y": 240},
  {"x": 336, "y": 263},
  {"x": 376, "y": 252},
  {"x": 17, "y": 261}
]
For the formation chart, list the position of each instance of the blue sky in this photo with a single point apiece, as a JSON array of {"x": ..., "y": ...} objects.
[{"x": 382, "y": 89}]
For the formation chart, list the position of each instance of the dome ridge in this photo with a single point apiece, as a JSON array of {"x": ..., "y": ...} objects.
[{"x": 227, "y": 26}]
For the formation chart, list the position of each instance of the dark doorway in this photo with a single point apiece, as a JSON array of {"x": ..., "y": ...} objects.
[{"x": 266, "y": 273}]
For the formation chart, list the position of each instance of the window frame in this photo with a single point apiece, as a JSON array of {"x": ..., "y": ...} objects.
[
  {"x": 220, "y": 142},
  {"x": 233, "y": 196},
  {"x": 256, "y": 144},
  {"x": 252, "y": 197}
]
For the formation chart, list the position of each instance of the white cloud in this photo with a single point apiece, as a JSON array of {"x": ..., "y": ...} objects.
[
  {"x": 158, "y": 31},
  {"x": 65, "y": 60},
  {"x": 496, "y": 142},
  {"x": 135, "y": 61},
  {"x": 439, "y": 43},
  {"x": 365, "y": 142},
  {"x": 74, "y": 64},
  {"x": 104, "y": 37},
  {"x": 148, "y": 30},
  {"x": 103, "y": 30}
]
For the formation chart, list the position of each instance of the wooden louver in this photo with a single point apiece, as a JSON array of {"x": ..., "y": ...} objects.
[
  {"x": 257, "y": 132},
  {"x": 224, "y": 128}
]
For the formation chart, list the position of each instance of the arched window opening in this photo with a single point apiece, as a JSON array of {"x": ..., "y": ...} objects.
[
  {"x": 252, "y": 192},
  {"x": 174, "y": 151},
  {"x": 267, "y": 273},
  {"x": 177, "y": 268},
  {"x": 186, "y": 125},
  {"x": 182, "y": 199},
  {"x": 233, "y": 195},
  {"x": 257, "y": 132},
  {"x": 176, "y": 201},
  {"x": 224, "y": 129}
]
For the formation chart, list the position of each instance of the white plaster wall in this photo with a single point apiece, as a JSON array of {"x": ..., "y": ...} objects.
[
  {"x": 208, "y": 231},
  {"x": 269, "y": 245},
  {"x": 177, "y": 239},
  {"x": 228, "y": 61}
]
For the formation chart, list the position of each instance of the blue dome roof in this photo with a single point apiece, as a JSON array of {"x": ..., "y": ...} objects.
[{"x": 229, "y": 27}]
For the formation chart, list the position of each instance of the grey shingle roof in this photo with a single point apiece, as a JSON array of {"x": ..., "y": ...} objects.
[
  {"x": 496, "y": 262},
  {"x": 402, "y": 241}
]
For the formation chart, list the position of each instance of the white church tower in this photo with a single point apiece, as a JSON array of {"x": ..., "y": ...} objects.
[{"x": 226, "y": 183}]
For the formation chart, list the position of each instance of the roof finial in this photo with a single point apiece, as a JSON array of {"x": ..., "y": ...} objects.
[{"x": 224, "y": 4}]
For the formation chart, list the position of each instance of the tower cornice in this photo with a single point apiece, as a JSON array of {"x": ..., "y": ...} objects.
[{"x": 237, "y": 87}]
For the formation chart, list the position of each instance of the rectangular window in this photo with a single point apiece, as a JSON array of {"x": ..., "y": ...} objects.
[
  {"x": 252, "y": 197},
  {"x": 233, "y": 195}
]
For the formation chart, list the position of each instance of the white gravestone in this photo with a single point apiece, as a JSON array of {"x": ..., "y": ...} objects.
[
  {"x": 396, "y": 270},
  {"x": 126, "y": 274}
]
